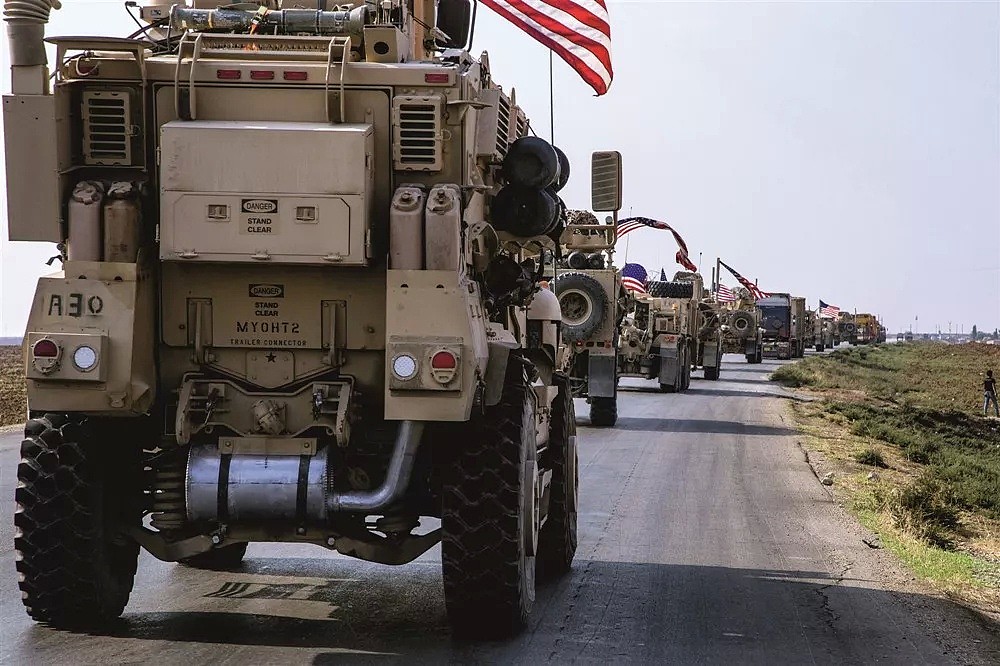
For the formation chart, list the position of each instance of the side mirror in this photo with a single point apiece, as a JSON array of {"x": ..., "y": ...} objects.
[
  {"x": 606, "y": 181},
  {"x": 454, "y": 18}
]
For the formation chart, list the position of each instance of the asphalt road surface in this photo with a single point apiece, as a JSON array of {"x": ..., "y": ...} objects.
[{"x": 705, "y": 538}]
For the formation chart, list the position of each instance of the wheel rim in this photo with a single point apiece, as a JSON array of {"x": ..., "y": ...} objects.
[{"x": 575, "y": 307}]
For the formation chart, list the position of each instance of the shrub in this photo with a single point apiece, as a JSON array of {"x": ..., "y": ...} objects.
[
  {"x": 793, "y": 376},
  {"x": 927, "y": 509},
  {"x": 870, "y": 456}
]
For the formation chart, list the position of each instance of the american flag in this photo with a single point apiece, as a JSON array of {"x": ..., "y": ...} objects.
[
  {"x": 827, "y": 310},
  {"x": 725, "y": 294},
  {"x": 630, "y": 224},
  {"x": 634, "y": 278},
  {"x": 750, "y": 286},
  {"x": 578, "y": 31}
]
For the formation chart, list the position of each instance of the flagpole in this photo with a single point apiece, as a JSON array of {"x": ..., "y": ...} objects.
[{"x": 552, "y": 105}]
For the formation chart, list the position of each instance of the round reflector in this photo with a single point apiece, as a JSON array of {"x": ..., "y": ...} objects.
[
  {"x": 404, "y": 366},
  {"x": 85, "y": 358},
  {"x": 443, "y": 360},
  {"x": 45, "y": 349}
]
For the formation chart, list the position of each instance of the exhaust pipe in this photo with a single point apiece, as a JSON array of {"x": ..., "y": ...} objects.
[
  {"x": 397, "y": 478},
  {"x": 26, "y": 21}
]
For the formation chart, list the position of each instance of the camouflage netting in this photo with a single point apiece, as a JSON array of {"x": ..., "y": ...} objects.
[{"x": 581, "y": 217}]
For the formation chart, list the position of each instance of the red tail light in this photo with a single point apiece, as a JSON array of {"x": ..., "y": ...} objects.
[
  {"x": 261, "y": 75},
  {"x": 45, "y": 349},
  {"x": 444, "y": 360},
  {"x": 295, "y": 76},
  {"x": 437, "y": 78},
  {"x": 229, "y": 74}
]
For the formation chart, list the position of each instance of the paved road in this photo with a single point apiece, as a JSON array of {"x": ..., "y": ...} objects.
[{"x": 705, "y": 538}]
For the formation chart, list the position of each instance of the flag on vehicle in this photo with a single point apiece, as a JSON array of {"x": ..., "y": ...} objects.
[
  {"x": 827, "y": 310},
  {"x": 634, "y": 278},
  {"x": 725, "y": 294},
  {"x": 630, "y": 224},
  {"x": 578, "y": 31},
  {"x": 750, "y": 286}
]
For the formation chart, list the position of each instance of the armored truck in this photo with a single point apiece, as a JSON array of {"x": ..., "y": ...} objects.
[
  {"x": 867, "y": 329},
  {"x": 847, "y": 328},
  {"x": 593, "y": 301},
  {"x": 824, "y": 333},
  {"x": 657, "y": 335},
  {"x": 299, "y": 301},
  {"x": 741, "y": 328},
  {"x": 706, "y": 342},
  {"x": 776, "y": 320},
  {"x": 799, "y": 326}
]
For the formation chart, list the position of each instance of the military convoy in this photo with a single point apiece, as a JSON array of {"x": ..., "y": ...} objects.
[
  {"x": 299, "y": 301},
  {"x": 317, "y": 285}
]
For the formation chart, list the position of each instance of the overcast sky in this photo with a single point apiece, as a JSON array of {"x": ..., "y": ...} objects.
[{"x": 839, "y": 150}]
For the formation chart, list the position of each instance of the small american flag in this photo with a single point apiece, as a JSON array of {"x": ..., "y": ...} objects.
[
  {"x": 578, "y": 31},
  {"x": 630, "y": 224},
  {"x": 634, "y": 278},
  {"x": 725, "y": 294},
  {"x": 827, "y": 310}
]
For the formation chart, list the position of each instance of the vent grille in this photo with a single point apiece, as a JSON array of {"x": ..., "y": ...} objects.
[
  {"x": 503, "y": 125},
  {"x": 417, "y": 134},
  {"x": 520, "y": 125},
  {"x": 107, "y": 128}
]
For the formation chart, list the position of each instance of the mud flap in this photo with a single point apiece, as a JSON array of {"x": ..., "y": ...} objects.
[
  {"x": 601, "y": 379},
  {"x": 670, "y": 365}
]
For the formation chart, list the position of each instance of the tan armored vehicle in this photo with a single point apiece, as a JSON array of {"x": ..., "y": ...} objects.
[
  {"x": 810, "y": 322},
  {"x": 593, "y": 303},
  {"x": 298, "y": 302},
  {"x": 706, "y": 343},
  {"x": 658, "y": 336},
  {"x": 741, "y": 328}
]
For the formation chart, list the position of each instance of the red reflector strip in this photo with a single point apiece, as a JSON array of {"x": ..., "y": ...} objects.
[
  {"x": 437, "y": 78},
  {"x": 295, "y": 76},
  {"x": 261, "y": 75},
  {"x": 45, "y": 349},
  {"x": 229, "y": 74}
]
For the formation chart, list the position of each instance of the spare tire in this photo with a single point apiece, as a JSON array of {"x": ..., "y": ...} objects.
[
  {"x": 742, "y": 322},
  {"x": 524, "y": 211},
  {"x": 563, "y": 178},
  {"x": 531, "y": 162},
  {"x": 849, "y": 327},
  {"x": 660, "y": 289},
  {"x": 583, "y": 303}
]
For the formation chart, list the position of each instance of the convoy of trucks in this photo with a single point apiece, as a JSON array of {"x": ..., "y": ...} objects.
[{"x": 384, "y": 321}]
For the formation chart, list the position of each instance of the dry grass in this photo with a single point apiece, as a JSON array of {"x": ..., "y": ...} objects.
[
  {"x": 12, "y": 390},
  {"x": 917, "y": 409}
]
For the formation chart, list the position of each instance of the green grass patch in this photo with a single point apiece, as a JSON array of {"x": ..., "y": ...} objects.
[{"x": 870, "y": 456}]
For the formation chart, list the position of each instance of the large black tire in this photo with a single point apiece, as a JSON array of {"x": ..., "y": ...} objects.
[
  {"x": 604, "y": 412},
  {"x": 524, "y": 211},
  {"x": 584, "y": 305},
  {"x": 711, "y": 373},
  {"x": 531, "y": 162},
  {"x": 489, "y": 576},
  {"x": 557, "y": 538},
  {"x": 820, "y": 348},
  {"x": 686, "y": 374},
  {"x": 659, "y": 289},
  {"x": 77, "y": 490},
  {"x": 743, "y": 323},
  {"x": 218, "y": 559},
  {"x": 564, "y": 167}
]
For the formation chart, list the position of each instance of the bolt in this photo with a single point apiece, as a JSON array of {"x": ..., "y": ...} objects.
[
  {"x": 330, "y": 541},
  {"x": 300, "y": 530},
  {"x": 216, "y": 539}
]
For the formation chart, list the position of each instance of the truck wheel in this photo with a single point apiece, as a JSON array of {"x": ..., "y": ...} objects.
[
  {"x": 820, "y": 348},
  {"x": 557, "y": 538},
  {"x": 76, "y": 492},
  {"x": 603, "y": 412},
  {"x": 226, "y": 557},
  {"x": 489, "y": 518},
  {"x": 583, "y": 304},
  {"x": 711, "y": 373},
  {"x": 686, "y": 374}
]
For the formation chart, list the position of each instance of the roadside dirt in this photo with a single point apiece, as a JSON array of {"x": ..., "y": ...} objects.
[{"x": 12, "y": 390}]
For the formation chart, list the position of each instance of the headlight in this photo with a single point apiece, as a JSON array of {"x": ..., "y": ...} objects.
[
  {"x": 404, "y": 367},
  {"x": 85, "y": 358}
]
